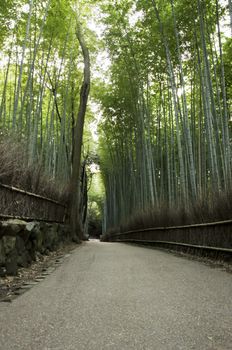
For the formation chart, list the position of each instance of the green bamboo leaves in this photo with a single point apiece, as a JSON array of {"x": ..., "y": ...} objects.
[{"x": 166, "y": 127}]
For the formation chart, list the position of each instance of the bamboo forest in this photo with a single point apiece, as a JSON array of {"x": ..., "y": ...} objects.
[{"x": 135, "y": 96}]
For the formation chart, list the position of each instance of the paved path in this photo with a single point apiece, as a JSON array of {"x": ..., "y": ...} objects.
[{"x": 115, "y": 296}]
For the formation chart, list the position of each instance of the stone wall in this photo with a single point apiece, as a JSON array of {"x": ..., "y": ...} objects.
[{"x": 21, "y": 241}]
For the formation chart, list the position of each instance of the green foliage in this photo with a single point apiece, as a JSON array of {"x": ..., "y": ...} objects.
[
  {"x": 7, "y": 13},
  {"x": 40, "y": 79},
  {"x": 164, "y": 134},
  {"x": 228, "y": 71}
]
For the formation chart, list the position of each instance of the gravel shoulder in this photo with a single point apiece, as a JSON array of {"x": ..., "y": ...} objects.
[{"x": 10, "y": 285}]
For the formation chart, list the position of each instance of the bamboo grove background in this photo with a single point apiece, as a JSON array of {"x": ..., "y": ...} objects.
[
  {"x": 166, "y": 131},
  {"x": 40, "y": 78}
]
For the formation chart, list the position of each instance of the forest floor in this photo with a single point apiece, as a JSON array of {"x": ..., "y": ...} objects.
[{"x": 9, "y": 285}]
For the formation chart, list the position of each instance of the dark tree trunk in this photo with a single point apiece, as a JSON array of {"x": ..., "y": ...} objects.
[{"x": 75, "y": 219}]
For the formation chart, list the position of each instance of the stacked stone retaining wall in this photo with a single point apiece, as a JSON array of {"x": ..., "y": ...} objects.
[{"x": 21, "y": 241}]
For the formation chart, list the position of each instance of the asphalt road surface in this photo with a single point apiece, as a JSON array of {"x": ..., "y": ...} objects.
[{"x": 117, "y": 296}]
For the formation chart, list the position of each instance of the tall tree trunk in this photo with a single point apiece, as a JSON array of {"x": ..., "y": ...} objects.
[
  {"x": 183, "y": 184},
  {"x": 17, "y": 92},
  {"x": 75, "y": 219},
  {"x": 230, "y": 11}
]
